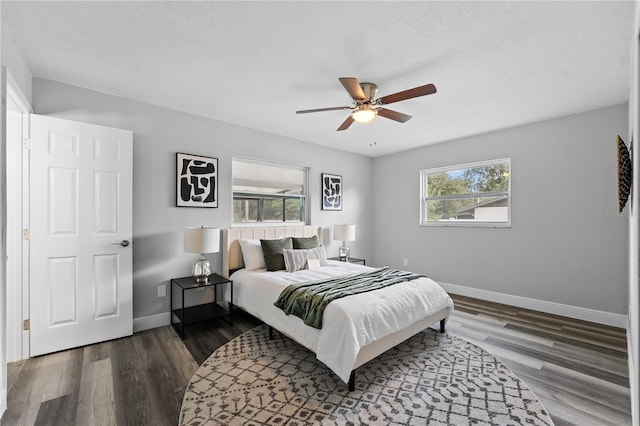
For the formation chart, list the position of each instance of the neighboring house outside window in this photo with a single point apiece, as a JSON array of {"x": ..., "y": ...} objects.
[
  {"x": 265, "y": 192},
  {"x": 474, "y": 194}
]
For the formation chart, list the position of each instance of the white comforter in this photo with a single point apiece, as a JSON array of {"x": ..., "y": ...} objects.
[{"x": 349, "y": 323}]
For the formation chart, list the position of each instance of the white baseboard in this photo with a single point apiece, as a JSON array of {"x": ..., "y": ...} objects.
[
  {"x": 592, "y": 315},
  {"x": 152, "y": 321}
]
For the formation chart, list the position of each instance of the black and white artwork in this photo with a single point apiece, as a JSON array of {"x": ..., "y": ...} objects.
[
  {"x": 197, "y": 184},
  {"x": 331, "y": 192}
]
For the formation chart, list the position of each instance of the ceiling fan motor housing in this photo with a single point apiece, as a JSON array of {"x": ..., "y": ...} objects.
[{"x": 369, "y": 90}]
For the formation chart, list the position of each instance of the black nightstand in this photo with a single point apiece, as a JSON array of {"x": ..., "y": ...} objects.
[
  {"x": 191, "y": 314},
  {"x": 351, "y": 260}
]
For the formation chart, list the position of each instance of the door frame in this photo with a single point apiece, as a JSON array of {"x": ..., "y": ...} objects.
[
  {"x": 633, "y": 326},
  {"x": 17, "y": 169}
]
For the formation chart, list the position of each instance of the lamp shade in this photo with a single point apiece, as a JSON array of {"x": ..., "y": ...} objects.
[
  {"x": 201, "y": 240},
  {"x": 344, "y": 232}
]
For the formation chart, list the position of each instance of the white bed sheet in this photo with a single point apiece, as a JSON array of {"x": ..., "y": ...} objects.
[{"x": 348, "y": 324}]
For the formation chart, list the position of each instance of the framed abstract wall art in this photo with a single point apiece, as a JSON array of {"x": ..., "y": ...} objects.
[
  {"x": 331, "y": 192},
  {"x": 197, "y": 181}
]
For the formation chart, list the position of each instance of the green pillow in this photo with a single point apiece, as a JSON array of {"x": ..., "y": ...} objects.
[
  {"x": 272, "y": 250},
  {"x": 305, "y": 242}
]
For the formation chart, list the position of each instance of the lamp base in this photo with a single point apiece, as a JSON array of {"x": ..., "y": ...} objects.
[
  {"x": 201, "y": 279},
  {"x": 344, "y": 252},
  {"x": 201, "y": 269}
]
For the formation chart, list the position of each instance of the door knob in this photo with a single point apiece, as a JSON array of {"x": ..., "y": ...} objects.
[{"x": 122, "y": 243}]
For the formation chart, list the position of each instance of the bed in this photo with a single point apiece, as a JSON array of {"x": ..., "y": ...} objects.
[{"x": 355, "y": 329}]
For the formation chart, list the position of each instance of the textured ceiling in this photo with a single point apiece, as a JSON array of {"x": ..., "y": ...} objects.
[{"x": 495, "y": 64}]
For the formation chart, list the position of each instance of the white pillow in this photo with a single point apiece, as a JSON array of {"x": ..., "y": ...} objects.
[
  {"x": 297, "y": 259},
  {"x": 252, "y": 254},
  {"x": 318, "y": 253}
]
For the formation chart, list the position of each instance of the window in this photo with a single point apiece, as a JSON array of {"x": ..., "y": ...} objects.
[
  {"x": 268, "y": 192},
  {"x": 476, "y": 194}
]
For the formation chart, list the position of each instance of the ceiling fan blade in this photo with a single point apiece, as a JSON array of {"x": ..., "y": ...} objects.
[
  {"x": 427, "y": 89},
  {"x": 306, "y": 111},
  {"x": 393, "y": 115},
  {"x": 345, "y": 125},
  {"x": 353, "y": 87}
]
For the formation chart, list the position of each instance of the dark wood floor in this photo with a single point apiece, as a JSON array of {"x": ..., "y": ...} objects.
[{"x": 577, "y": 369}]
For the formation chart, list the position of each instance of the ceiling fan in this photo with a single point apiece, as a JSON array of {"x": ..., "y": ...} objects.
[{"x": 365, "y": 107}]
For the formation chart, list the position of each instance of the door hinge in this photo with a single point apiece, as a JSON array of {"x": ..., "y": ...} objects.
[
  {"x": 26, "y": 234},
  {"x": 26, "y": 325},
  {"x": 27, "y": 143}
]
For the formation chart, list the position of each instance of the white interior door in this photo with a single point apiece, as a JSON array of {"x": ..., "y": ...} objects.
[{"x": 80, "y": 212}]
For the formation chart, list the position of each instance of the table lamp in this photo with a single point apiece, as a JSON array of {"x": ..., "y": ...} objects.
[
  {"x": 201, "y": 240},
  {"x": 344, "y": 233}
]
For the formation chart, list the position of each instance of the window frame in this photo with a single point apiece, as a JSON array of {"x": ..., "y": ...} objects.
[
  {"x": 424, "y": 198},
  {"x": 261, "y": 197}
]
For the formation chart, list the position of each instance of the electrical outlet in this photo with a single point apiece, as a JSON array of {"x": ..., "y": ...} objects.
[
  {"x": 162, "y": 290},
  {"x": 405, "y": 262}
]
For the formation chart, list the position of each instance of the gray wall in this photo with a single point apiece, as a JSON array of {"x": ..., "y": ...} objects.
[
  {"x": 158, "y": 134},
  {"x": 12, "y": 59},
  {"x": 567, "y": 244}
]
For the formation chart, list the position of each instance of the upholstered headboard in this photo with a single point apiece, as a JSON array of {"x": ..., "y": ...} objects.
[{"x": 232, "y": 254}]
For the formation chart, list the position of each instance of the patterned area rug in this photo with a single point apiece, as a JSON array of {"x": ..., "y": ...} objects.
[{"x": 432, "y": 378}]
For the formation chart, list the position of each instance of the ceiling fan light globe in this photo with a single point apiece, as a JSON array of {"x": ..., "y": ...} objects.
[{"x": 364, "y": 115}]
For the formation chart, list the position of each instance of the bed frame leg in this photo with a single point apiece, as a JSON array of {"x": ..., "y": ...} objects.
[
  {"x": 270, "y": 333},
  {"x": 442, "y": 321},
  {"x": 352, "y": 381}
]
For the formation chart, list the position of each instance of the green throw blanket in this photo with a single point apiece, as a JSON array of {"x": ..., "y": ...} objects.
[{"x": 308, "y": 300}]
